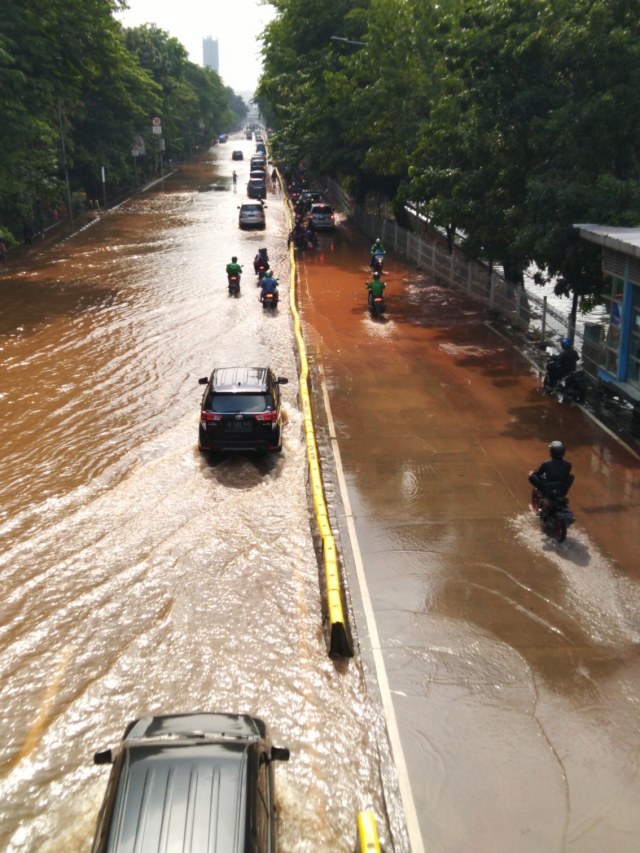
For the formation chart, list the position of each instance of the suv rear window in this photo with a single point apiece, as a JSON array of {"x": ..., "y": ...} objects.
[
  {"x": 321, "y": 208},
  {"x": 230, "y": 403}
]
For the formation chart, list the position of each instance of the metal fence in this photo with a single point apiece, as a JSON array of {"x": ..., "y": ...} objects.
[{"x": 526, "y": 310}]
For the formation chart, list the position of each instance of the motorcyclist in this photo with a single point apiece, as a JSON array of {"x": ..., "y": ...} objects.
[
  {"x": 234, "y": 178},
  {"x": 553, "y": 478},
  {"x": 261, "y": 259},
  {"x": 376, "y": 286},
  {"x": 269, "y": 284},
  {"x": 377, "y": 251},
  {"x": 563, "y": 364},
  {"x": 298, "y": 233},
  {"x": 310, "y": 233},
  {"x": 234, "y": 268}
]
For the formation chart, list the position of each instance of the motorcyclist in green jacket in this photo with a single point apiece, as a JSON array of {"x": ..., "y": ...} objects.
[
  {"x": 234, "y": 268},
  {"x": 377, "y": 254},
  {"x": 376, "y": 286}
]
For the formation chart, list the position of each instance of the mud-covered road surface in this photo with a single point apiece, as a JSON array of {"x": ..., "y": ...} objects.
[{"x": 512, "y": 661}]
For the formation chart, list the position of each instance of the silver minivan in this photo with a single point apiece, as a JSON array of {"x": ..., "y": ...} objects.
[{"x": 189, "y": 783}]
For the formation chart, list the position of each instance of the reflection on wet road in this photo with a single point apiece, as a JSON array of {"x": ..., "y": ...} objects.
[
  {"x": 513, "y": 662},
  {"x": 138, "y": 577}
]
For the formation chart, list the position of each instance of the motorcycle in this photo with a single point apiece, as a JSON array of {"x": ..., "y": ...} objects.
[
  {"x": 377, "y": 262},
  {"x": 233, "y": 283},
  {"x": 261, "y": 264},
  {"x": 269, "y": 301},
  {"x": 377, "y": 305},
  {"x": 552, "y": 510},
  {"x": 311, "y": 238},
  {"x": 572, "y": 387},
  {"x": 298, "y": 239}
]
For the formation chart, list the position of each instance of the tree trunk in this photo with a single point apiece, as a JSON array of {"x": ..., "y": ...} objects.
[{"x": 571, "y": 329}]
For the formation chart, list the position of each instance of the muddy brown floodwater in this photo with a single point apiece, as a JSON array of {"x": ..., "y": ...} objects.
[
  {"x": 512, "y": 661},
  {"x": 136, "y": 576}
]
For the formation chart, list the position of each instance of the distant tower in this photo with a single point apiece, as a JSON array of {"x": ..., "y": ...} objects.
[{"x": 210, "y": 57}]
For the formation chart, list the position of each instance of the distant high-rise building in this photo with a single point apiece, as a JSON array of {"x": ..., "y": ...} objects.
[{"x": 210, "y": 55}]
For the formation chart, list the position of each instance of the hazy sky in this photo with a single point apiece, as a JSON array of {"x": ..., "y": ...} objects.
[{"x": 236, "y": 24}]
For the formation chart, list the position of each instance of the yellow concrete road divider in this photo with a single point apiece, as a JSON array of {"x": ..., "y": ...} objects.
[
  {"x": 339, "y": 639},
  {"x": 368, "y": 841}
]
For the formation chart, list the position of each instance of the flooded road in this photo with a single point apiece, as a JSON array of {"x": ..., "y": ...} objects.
[
  {"x": 137, "y": 576},
  {"x": 512, "y": 661}
]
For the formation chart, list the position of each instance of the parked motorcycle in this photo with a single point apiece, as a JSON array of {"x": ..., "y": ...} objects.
[
  {"x": 269, "y": 301},
  {"x": 552, "y": 509},
  {"x": 572, "y": 387},
  {"x": 233, "y": 283}
]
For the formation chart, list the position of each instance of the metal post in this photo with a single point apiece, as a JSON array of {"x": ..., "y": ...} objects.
[
  {"x": 543, "y": 326},
  {"x": 104, "y": 189}
]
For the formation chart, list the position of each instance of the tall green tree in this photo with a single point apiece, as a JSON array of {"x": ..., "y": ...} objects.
[
  {"x": 532, "y": 131},
  {"x": 292, "y": 94}
]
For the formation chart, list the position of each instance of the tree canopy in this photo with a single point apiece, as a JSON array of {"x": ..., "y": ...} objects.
[
  {"x": 507, "y": 121},
  {"x": 76, "y": 89}
]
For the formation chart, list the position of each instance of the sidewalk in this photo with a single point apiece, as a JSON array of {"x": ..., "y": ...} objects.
[
  {"x": 52, "y": 234},
  {"x": 614, "y": 413}
]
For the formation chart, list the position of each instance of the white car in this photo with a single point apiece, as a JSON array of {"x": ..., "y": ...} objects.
[
  {"x": 252, "y": 215},
  {"x": 323, "y": 217}
]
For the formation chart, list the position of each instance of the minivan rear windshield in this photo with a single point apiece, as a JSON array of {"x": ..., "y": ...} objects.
[{"x": 230, "y": 403}]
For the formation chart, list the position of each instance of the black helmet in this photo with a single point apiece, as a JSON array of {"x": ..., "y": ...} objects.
[
  {"x": 234, "y": 260},
  {"x": 556, "y": 449},
  {"x": 376, "y": 274}
]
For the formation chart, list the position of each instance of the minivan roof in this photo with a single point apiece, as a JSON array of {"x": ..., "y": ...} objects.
[
  {"x": 183, "y": 784},
  {"x": 239, "y": 380}
]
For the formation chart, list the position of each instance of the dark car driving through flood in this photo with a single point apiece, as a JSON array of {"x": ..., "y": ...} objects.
[{"x": 241, "y": 411}]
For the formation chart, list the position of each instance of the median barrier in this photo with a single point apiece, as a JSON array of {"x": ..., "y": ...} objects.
[
  {"x": 368, "y": 841},
  {"x": 339, "y": 641}
]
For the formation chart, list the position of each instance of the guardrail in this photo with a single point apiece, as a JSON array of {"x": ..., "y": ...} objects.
[{"x": 339, "y": 642}]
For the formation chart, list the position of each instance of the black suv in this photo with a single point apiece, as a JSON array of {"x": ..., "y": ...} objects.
[
  {"x": 241, "y": 410},
  {"x": 187, "y": 783}
]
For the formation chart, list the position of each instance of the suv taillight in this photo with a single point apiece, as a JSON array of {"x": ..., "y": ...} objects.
[
  {"x": 267, "y": 417},
  {"x": 209, "y": 417}
]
